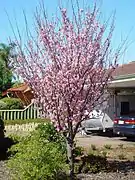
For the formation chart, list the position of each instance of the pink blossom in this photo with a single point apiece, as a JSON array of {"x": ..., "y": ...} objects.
[{"x": 67, "y": 67}]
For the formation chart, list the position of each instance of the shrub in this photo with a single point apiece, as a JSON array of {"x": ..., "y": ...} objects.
[
  {"x": 93, "y": 147},
  {"x": 49, "y": 133},
  {"x": 2, "y": 127},
  {"x": 41, "y": 155},
  {"x": 15, "y": 138},
  {"x": 78, "y": 151},
  {"x": 13, "y": 103},
  {"x": 24, "y": 121},
  {"x": 94, "y": 162},
  {"x": 107, "y": 146},
  {"x": 3, "y": 105},
  {"x": 121, "y": 146},
  {"x": 104, "y": 154},
  {"x": 121, "y": 156}
]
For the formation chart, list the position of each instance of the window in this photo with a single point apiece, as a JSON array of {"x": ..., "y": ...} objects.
[{"x": 125, "y": 109}]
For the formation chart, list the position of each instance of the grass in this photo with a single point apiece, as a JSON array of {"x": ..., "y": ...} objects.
[
  {"x": 114, "y": 158},
  {"x": 114, "y": 153},
  {"x": 25, "y": 121},
  {"x": 119, "y": 153}
]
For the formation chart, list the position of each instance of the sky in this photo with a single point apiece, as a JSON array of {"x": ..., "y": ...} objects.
[{"x": 124, "y": 23}]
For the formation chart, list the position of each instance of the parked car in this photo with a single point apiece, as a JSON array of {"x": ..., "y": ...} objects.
[
  {"x": 124, "y": 126},
  {"x": 97, "y": 122}
]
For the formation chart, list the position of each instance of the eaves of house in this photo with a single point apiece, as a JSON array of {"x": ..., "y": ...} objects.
[{"x": 124, "y": 76}]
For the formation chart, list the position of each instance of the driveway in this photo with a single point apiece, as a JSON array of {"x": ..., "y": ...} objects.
[{"x": 86, "y": 141}]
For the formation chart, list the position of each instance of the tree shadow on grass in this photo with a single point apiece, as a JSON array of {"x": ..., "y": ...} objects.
[
  {"x": 96, "y": 163},
  {"x": 122, "y": 166},
  {"x": 5, "y": 144}
]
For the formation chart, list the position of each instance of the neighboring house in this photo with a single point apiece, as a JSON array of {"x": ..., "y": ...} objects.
[
  {"x": 123, "y": 90},
  {"x": 121, "y": 102},
  {"x": 23, "y": 92}
]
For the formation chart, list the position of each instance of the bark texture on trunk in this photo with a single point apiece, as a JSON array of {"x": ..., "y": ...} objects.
[{"x": 70, "y": 147}]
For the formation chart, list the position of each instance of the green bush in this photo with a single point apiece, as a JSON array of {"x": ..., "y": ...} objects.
[
  {"x": 78, "y": 151},
  {"x": 49, "y": 133},
  {"x": 3, "y": 105},
  {"x": 41, "y": 155},
  {"x": 12, "y": 103},
  {"x": 15, "y": 138},
  {"x": 24, "y": 121}
]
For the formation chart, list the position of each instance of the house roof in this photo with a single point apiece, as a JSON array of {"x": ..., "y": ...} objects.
[
  {"x": 22, "y": 88},
  {"x": 125, "y": 71},
  {"x": 23, "y": 91},
  {"x": 124, "y": 76}
]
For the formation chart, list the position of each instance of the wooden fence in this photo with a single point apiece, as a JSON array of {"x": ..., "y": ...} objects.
[{"x": 30, "y": 112}]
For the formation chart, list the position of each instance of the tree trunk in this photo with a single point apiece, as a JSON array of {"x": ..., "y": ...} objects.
[{"x": 70, "y": 147}]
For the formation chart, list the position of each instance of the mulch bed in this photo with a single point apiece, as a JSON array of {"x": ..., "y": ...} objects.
[{"x": 126, "y": 172}]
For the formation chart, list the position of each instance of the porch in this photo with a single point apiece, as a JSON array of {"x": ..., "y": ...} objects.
[{"x": 123, "y": 96}]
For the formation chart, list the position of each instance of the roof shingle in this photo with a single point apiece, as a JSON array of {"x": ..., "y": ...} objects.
[{"x": 125, "y": 69}]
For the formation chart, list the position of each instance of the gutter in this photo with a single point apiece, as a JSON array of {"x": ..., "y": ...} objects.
[
  {"x": 127, "y": 76},
  {"x": 122, "y": 80}
]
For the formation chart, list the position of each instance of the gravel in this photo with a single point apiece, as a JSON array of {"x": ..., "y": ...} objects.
[
  {"x": 125, "y": 171},
  {"x": 4, "y": 173},
  {"x": 108, "y": 176}
]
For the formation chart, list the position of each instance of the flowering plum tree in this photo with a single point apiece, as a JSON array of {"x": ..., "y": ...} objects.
[{"x": 68, "y": 66}]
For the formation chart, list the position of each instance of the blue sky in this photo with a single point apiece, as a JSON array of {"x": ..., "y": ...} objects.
[{"x": 124, "y": 25}]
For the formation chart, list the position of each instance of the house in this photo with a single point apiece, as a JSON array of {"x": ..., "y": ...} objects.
[
  {"x": 122, "y": 101},
  {"x": 123, "y": 88},
  {"x": 22, "y": 92}
]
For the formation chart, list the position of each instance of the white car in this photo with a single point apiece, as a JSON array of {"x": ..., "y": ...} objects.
[{"x": 97, "y": 121}]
